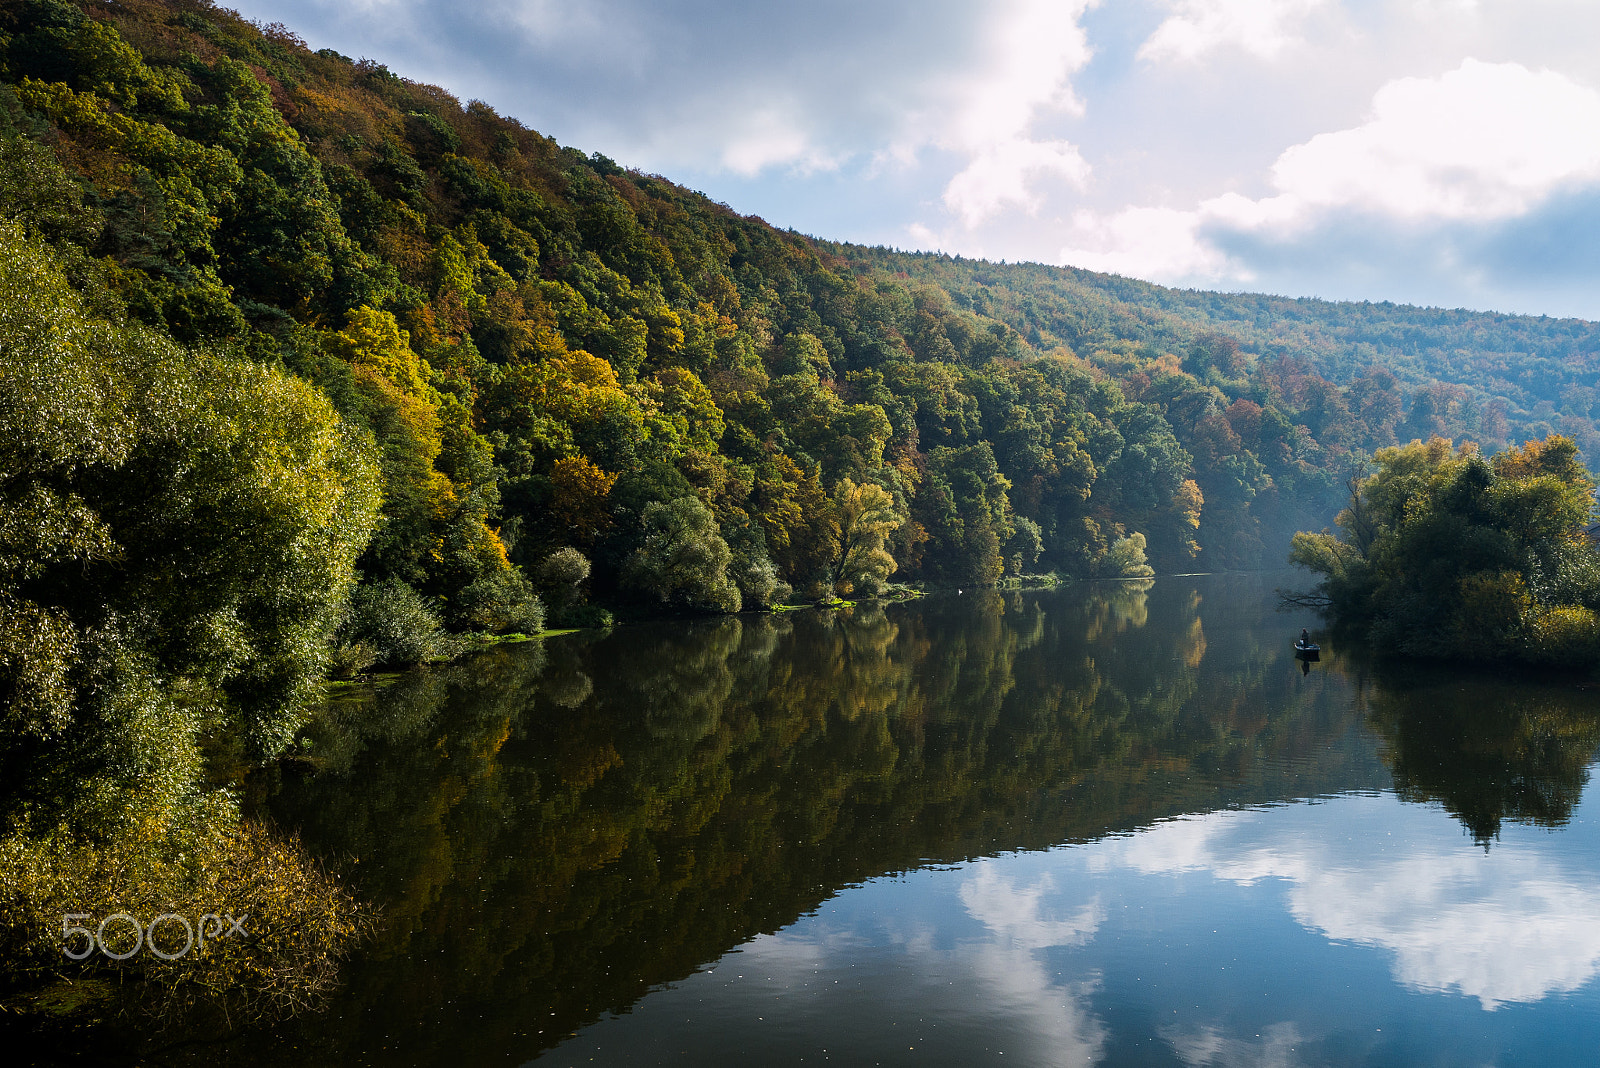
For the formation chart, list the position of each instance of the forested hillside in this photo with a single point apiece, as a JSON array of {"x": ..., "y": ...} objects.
[
  {"x": 554, "y": 353},
  {"x": 1493, "y": 378},
  {"x": 306, "y": 368},
  {"x": 586, "y": 381}
]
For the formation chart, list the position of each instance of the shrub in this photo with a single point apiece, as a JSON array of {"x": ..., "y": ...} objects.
[
  {"x": 300, "y": 922},
  {"x": 581, "y": 615},
  {"x": 399, "y": 625},
  {"x": 561, "y": 576},
  {"x": 1126, "y": 559},
  {"x": 499, "y": 602},
  {"x": 1567, "y": 636},
  {"x": 1025, "y": 545},
  {"x": 759, "y": 584},
  {"x": 352, "y": 659},
  {"x": 1493, "y": 605}
]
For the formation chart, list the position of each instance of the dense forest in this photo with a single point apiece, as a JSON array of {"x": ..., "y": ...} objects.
[
  {"x": 309, "y": 368},
  {"x": 1493, "y": 379},
  {"x": 552, "y": 353}
]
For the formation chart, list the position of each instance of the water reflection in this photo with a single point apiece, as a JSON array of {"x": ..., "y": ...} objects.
[
  {"x": 1357, "y": 930},
  {"x": 1513, "y": 925},
  {"x": 1487, "y": 748},
  {"x": 552, "y": 832},
  {"x": 1020, "y": 921}
]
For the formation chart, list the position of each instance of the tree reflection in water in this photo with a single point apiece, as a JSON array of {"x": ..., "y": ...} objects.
[
  {"x": 551, "y": 831},
  {"x": 1485, "y": 747}
]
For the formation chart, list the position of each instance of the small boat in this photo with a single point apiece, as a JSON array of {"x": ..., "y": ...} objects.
[{"x": 1308, "y": 650}]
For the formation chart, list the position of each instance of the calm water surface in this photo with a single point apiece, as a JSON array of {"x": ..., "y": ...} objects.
[{"x": 1079, "y": 827}]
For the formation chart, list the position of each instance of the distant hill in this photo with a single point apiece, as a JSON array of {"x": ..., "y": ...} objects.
[{"x": 1539, "y": 373}]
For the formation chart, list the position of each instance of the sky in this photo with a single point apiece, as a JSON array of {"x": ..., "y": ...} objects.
[{"x": 1440, "y": 152}]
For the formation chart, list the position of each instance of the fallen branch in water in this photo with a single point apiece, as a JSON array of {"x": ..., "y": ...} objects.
[{"x": 1289, "y": 599}]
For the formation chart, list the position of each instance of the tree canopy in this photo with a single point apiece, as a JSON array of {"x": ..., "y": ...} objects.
[
  {"x": 543, "y": 343},
  {"x": 1445, "y": 553}
]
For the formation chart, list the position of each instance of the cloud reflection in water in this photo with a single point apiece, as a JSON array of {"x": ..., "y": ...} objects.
[
  {"x": 1509, "y": 924},
  {"x": 1035, "y": 947},
  {"x": 1360, "y": 929}
]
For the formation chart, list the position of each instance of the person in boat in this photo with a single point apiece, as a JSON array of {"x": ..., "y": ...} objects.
[{"x": 1305, "y": 638}]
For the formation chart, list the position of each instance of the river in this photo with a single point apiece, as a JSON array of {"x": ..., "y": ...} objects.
[{"x": 1086, "y": 826}]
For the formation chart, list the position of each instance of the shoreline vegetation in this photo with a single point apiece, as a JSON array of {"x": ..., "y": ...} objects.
[
  {"x": 308, "y": 371},
  {"x": 1446, "y": 554}
]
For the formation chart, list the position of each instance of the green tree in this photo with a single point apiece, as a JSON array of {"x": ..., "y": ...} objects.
[
  {"x": 1126, "y": 560},
  {"x": 200, "y": 515},
  {"x": 964, "y": 506},
  {"x": 178, "y": 533},
  {"x": 562, "y": 575},
  {"x": 682, "y": 559},
  {"x": 1446, "y": 554}
]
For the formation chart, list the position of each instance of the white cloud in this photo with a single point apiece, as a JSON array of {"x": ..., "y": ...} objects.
[
  {"x": 1035, "y": 49},
  {"x": 1483, "y": 141},
  {"x": 1001, "y": 174},
  {"x": 1052, "y": 1019},
  {"x": 1054, "y": 1016},
  {"x": 566, "y": 24},
  {"x": 1480, "y": 143},
  {"x": 997, "y": 976},
  {"x": 1261, "y": 27},
  {"x": 771, "y": 138},
  {"x": 1145, "y": 242},
  {"x": 1436, "y": 8},
  {"x": 1208, "y": 1047},
  {"x": 1016, "y": 913},
  {"x": 1509, "y": 927}
]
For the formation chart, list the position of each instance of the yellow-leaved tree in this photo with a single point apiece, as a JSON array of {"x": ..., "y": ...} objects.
[
  {"x": 866, "y": 516},
  {"x": 437, "y": 546}
]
